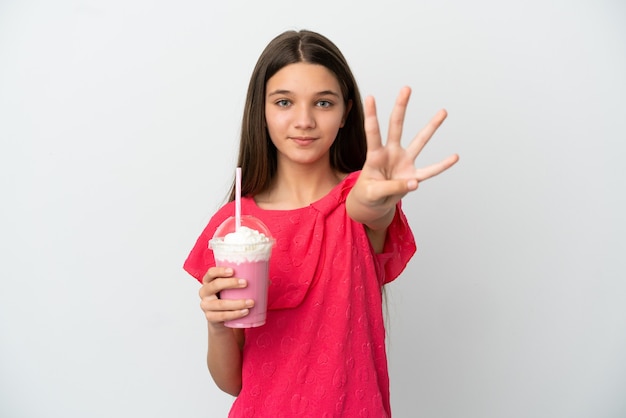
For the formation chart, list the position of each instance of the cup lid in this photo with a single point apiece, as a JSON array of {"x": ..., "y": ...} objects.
[{"x": 230, "y": 225}]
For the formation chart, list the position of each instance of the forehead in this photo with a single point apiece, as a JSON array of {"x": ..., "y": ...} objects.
[{"x": 303, "y": 78}]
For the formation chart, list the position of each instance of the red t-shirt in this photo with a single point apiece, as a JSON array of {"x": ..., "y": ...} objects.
[{"x": 321, "y": 352}]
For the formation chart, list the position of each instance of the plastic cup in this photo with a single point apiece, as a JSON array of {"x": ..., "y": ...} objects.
[{"x": 250, "y": 261}]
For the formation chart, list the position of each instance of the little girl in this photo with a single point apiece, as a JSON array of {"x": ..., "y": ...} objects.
[{"x": 316, "y": 172}]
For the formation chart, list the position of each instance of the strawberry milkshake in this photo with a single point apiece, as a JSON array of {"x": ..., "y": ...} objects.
[{"x": 247, "y": 251}]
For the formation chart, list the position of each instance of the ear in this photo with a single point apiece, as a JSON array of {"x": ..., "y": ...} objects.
[{"x": 345, "y": 114}]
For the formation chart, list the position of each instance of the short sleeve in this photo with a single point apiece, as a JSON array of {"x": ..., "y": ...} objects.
[
  {"x": 399, "y": 248},
  {"x": 200, "y": 259}
]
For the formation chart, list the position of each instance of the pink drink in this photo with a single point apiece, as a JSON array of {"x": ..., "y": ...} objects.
[
  {"x": 255, "y": 273},
  {"x": 246, "y": 249}
]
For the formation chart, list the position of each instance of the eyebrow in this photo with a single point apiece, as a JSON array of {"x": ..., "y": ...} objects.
[{"x": 319, "y": 93}]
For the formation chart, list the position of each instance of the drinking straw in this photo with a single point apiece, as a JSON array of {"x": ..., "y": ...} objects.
[{"x": 238, "y": 199}]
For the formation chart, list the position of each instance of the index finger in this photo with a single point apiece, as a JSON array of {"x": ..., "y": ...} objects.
[
  {"x": 372, "y": 130},
  {"x": 215, "y": 272}
]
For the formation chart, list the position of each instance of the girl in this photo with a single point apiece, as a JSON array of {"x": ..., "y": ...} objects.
[{"x": 316, "y": 172}]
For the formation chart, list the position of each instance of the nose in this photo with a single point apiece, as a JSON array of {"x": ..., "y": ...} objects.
[{"x": 304, "y": 117}]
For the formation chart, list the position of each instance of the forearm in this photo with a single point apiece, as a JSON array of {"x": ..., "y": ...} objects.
[
  {"x": 376, "y": 220},
  {"x": 376, "y": 217},
  {"x": 224, "y": 358}
]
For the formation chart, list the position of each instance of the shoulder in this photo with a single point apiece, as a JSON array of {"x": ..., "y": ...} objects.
[
  {"x": 218, "y": 217},
  {"x": 350, "y": 178},
  {"x": 346, "y": 184}
]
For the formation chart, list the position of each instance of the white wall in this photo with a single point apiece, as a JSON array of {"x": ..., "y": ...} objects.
[{"x": 118, "y": 129}]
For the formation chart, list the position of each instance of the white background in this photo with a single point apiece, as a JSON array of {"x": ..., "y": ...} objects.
[{"x": 119, "y": 125}]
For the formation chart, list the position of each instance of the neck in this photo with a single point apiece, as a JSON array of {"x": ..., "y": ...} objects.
[{"x": 297, "y": 186}]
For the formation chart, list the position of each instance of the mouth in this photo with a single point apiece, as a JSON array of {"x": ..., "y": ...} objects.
[{"x": 303, "y": 140}]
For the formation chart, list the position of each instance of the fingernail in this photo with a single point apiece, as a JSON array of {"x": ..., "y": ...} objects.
[
  {"x": 244, "y": 311},
  {"x": 242, "y": 282},
  {"x": 412, "y": 184},
  {"x": 229, "y": 271},
  {"x": 249, "y": 303}
]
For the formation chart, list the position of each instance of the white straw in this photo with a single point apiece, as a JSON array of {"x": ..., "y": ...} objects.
[{"x": 238, "y": 198}]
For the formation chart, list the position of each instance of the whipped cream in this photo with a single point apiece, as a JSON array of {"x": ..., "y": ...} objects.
[
  {"x": 245, "y": 235},
  {"x": 244, "y": 245}
]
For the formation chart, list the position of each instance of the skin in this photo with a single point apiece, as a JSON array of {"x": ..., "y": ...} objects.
[
  {"x": 389, "y": 172},
  {"x": 304, "y": 110}
]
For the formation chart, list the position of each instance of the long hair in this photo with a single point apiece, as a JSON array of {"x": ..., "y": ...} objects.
[{"x": 257, "y": 153}]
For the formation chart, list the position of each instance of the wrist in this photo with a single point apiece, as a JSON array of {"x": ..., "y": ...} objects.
[
  {"x": 382, "y": 221},
  {"x": 218, "y": 329}
]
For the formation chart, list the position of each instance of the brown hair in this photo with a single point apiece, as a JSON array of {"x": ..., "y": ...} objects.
[{"x": 257, "y": 153}]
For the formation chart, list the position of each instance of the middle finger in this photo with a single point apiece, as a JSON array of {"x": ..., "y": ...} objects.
[{"x": 396, "y": 120}]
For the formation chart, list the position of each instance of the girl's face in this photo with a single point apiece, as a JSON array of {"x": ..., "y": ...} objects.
[{"x": 304, "y": 109}]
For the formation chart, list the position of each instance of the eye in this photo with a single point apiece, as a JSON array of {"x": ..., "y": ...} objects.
[
  {"x": 324, "y": 103},
  {"x": 283, "y": 103}
]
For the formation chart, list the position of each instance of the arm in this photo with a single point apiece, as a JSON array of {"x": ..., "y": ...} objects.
[
  {"x": 389, "y": 173},
  {"x": 225, "y": 344},
  {"x": 224, "y": 358}
]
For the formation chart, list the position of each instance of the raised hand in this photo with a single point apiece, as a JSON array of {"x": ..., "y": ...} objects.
[{"x": 389, "y": 171}]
